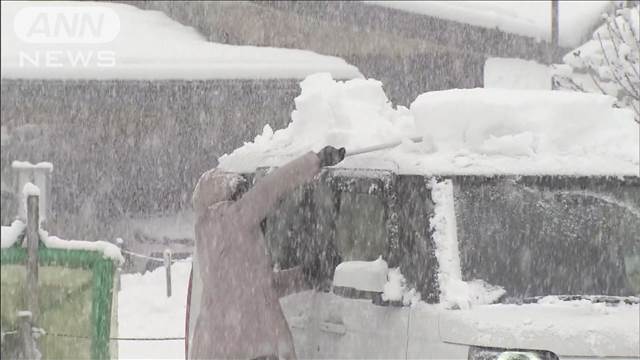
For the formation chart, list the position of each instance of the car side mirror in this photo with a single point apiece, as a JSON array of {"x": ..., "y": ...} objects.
[{"x": 363, "y": 280}]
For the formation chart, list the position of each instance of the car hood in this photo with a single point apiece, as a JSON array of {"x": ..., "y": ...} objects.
[{"x": 569, "y": 328}]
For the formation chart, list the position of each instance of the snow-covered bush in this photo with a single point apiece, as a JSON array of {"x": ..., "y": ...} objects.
[{"x": 609, "y": 63}]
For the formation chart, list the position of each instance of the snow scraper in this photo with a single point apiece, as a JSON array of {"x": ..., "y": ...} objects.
[{"x": 379, "y": 147}]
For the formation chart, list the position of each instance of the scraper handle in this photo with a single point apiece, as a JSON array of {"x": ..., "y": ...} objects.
[{"x": 379, "y": 147}]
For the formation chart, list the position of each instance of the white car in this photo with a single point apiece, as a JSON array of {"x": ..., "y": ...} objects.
[{"x": 506, "y": 267}]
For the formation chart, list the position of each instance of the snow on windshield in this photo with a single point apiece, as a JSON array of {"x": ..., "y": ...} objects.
[{"x": 466, "y": 131}]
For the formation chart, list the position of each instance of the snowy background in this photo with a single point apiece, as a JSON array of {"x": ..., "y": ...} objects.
[{"x": 512, "y": 125}]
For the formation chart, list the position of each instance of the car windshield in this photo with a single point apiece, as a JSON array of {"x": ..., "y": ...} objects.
[{"x": 535, "y": 239}]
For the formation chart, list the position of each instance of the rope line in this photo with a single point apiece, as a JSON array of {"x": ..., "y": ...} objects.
[
  {"x": 119, "y": 338},
  {"x": 112, "y": 339},
  {"x": 153, "y": 258}
]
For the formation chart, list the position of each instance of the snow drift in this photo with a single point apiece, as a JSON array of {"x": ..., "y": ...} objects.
[{"x": 466, "y": 131}]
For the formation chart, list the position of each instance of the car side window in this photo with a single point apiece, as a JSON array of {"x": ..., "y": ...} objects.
[
  {"x": 361, "y": 232},
  {"x": 542, "y": 236},
  {"x": 416, "y": 248}
]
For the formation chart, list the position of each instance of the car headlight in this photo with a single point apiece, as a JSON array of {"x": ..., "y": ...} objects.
[{"x": 484, "y": 353}]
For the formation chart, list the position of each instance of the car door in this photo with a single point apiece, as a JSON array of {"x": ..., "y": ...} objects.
[
  {"x": 352, "y": 216},
  {"x": 419, "y": 265}
]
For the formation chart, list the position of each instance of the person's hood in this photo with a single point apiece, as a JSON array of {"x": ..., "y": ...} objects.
[
  {"x": 577, "y": 328},
  {"x": 213, "y": 187}
]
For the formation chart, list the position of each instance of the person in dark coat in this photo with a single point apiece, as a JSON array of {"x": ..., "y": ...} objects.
[{"x": 240, "y": 315}]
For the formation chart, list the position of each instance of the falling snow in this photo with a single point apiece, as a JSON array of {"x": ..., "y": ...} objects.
[{"x": 478, "y": 207}]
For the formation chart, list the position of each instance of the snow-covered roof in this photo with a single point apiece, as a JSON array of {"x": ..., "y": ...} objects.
[
  {"x": 27, "y": 165},
  {"x": 136, "y": 44},
  {"x": 526, "y": 18},
  {"x": 466, "y": 131},
  {"x": 11, "y": 234}
]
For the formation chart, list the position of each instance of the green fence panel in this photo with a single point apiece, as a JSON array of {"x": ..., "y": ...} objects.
[{"x": 75, "y": 300}]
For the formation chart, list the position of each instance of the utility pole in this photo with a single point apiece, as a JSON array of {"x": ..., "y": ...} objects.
[{"x": 555, "y": 29}]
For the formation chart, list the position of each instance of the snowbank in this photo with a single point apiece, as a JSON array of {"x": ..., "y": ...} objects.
[
  {"x": 609, "y": 62},
  {"x": 510, "y": 73},
  {"x": 466, "y": 131},
  {"x": 147, "y": 45},
  {"x": 527, "y": 18},
  {"x": 145, "y": 311},
  {"x": 10, "y": 234},
  {"x": 628, "y": 21}
]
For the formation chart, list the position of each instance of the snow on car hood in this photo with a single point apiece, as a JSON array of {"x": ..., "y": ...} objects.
[{"x": 578, "y": 328}]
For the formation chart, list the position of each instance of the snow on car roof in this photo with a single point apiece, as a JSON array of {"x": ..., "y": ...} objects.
[
  {"x": 526, "y": 18},
  {"x": 466, "y": 131},
  {"x": 132, "y": 43}
]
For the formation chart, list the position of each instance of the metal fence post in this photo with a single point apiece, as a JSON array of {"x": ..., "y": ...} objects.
[
  {"x": 167, "y": 266},
  {"x": 33, "y": 240},
  {"x": 120, "y": 244},
  {"x": 29, "y": 350}
]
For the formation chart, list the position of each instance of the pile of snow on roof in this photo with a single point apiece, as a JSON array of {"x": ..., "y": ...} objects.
[{"x": 466, "y": 131}]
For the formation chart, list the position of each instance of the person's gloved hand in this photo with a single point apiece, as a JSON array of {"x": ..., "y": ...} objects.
[{"x": 330, "y": 156}]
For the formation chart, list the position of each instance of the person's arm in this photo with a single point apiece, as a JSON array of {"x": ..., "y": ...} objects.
[{"x": 256, "y": 203}]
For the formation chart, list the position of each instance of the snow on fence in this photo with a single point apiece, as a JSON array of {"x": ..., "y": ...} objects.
[
  {"x": 34, "y": 333},
  {"x": 37, "y": 174}
]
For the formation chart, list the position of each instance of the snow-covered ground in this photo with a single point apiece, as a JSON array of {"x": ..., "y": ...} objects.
[
  {"x": 517, "y": 74},
  {"x": 136, "y": 44},
  {"x": 144, "y": 311},
  {"x": 527, "y": 18}
]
